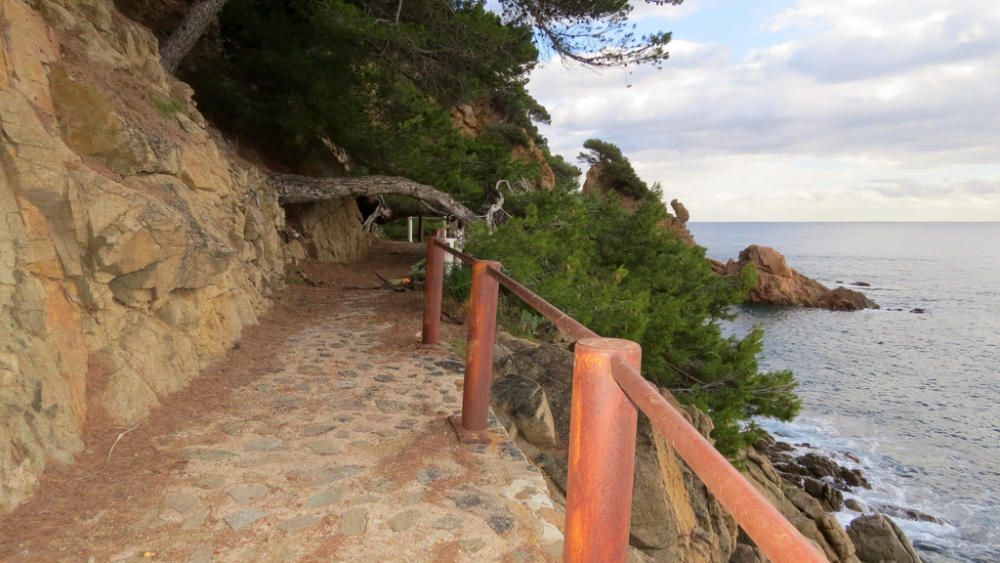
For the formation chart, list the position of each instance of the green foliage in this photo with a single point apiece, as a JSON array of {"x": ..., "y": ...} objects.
[
  {"x": 394, "y": 230},
  {"x": 168, "y": 106},
  {"x": 457, "y": 283},
  {"x": 623, "y": 276},
  {"x": 616, "y": 172},
  {"x": 596, "y": 32},
  {"x": 290, "y": 73},
  {"x": 567, "y": 174}
]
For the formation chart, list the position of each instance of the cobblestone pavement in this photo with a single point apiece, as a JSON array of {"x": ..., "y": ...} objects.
[{"x": 340, "y": 453}]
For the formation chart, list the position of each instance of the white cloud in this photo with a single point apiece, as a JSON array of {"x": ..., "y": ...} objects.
[
  {"x": 643, "y": 10},
  {"x": 854, "y": 92}
]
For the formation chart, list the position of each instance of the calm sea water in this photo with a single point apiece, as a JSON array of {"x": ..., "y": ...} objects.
[{"x": 916, "y": 397}]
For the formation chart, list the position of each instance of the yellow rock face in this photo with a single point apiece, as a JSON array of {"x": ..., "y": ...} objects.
[
  {"x": 30, "y": 45},
  {"x": 133, "y": 250}
]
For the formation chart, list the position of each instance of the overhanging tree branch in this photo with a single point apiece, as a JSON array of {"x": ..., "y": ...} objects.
[{"x": 292, "y": 188}]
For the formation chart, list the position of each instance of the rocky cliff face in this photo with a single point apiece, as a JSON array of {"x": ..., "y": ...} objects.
[
  {"x": 133, "y": 247},
  {"x": 676, "y": 223},
  {"x": 472, "y": 119},
  {"x": 779, "y": 284}
]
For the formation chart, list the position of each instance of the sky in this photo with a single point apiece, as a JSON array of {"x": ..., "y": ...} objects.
[{"x": 802, "y": 110}]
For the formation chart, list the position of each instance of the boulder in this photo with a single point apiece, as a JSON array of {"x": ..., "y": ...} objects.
[
  {"x": 829, "y": 498},
  {"x": 877, "y": 539},
  {"x": 680, "y": 211},
  {"x": 908, "y": 513},
  {"x": 801, "y": 509},
  {"x": 823, "y": 467},
  {"x": 522, "y": 403},
  {"x": 798, "y": 470},
  {"x": 843, "y": 299},
  {"x": 677, "y": 224},
  {"x": 855, "y": 505},
  {"x": 779, "y": 284}
]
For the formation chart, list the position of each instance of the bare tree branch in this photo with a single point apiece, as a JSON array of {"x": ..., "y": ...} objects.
[{"x": 292, "y": 188}]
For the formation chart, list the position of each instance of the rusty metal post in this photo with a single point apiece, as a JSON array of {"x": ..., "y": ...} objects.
[
  {"x": 433, "y": 286},
  {"x": 472, "y": 423},
  {"x": 601, "y": 454}
]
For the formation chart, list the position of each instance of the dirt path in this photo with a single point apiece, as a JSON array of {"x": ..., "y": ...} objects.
[{"x": 321, "y": 437}]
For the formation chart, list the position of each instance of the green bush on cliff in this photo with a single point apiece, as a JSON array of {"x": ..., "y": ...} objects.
[
  {"x": 616, "y": 172},
  {"x": 623, "y": 276}
]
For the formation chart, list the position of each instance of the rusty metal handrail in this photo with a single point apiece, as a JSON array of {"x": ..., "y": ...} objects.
[
  {"x": 466, "y": 258},
  {"x": 608, "y": 392},
  {"x": 565, "y": 323},
  {"x": 768, "y": 528}
]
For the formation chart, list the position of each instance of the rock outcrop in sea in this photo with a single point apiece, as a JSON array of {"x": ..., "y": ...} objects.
[{"x": 780, "y": 284}]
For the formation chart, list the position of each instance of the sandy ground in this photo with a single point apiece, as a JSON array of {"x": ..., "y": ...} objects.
[{"x": 322, "y": 436}]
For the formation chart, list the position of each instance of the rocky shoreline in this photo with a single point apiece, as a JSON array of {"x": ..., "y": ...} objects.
[
  {"x": 674, "y": 518},
  {"x": 874, "y": 534}
]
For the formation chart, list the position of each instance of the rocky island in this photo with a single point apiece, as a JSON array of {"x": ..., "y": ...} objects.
[{"x": 780, "y": 284}]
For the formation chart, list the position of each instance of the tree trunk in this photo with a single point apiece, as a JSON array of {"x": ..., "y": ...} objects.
[
  {"x": 184, "y": 38},
  {"x": 292, "y": 188}
]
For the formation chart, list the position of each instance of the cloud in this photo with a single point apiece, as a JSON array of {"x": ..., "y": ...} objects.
[
  {"x": 909, "y": 189},
  {"x": 905, "y": 188},
  {"x": 851, "y": 88},
  {"x": 646, "y": 10},
  {"x": 870, "y": 39}
]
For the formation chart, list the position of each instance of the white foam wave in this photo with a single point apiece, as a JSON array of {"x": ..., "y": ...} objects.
[{"x": 959, "y": 539}]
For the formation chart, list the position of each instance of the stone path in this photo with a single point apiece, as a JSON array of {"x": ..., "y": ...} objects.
[{"x": 340, "y": 453}]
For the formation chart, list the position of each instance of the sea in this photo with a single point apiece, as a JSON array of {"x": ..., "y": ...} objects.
[{"x": 910, "y": 398}]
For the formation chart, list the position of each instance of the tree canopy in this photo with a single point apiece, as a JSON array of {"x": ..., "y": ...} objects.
[
  {"x": 594, "y": 33},
  {"x": 289, "y": 74}
]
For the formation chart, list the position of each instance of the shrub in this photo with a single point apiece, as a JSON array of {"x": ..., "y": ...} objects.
[{"x": 623, "y": 276}]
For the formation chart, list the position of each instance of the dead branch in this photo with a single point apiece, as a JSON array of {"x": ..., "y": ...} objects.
[{"x": 293, "y": 188}]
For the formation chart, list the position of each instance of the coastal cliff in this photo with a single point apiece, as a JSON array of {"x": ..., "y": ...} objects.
[{"x": 134, "y": 246}]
